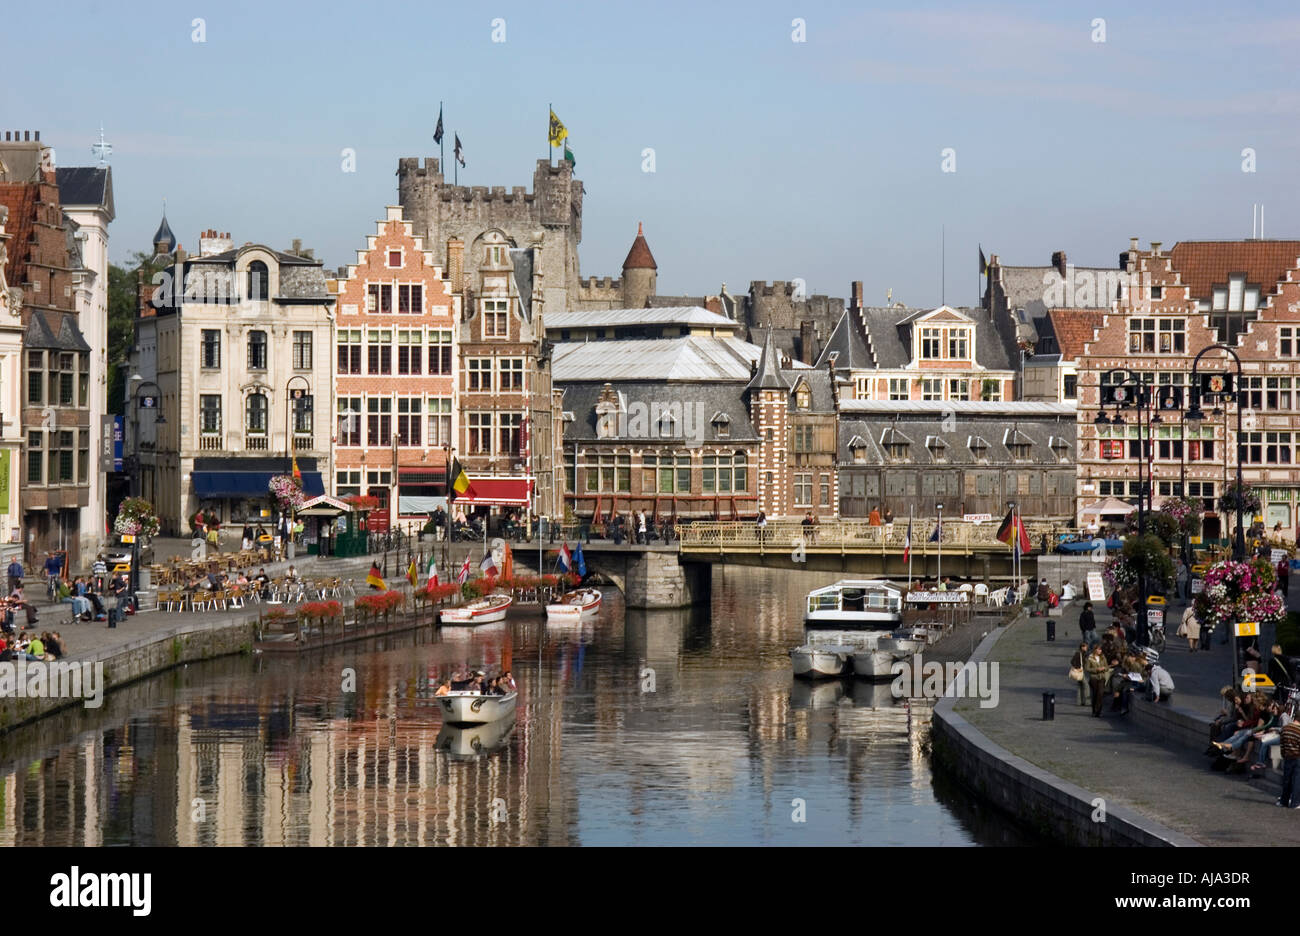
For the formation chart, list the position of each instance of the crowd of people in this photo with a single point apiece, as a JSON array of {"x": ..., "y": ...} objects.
[{"x": 478, "y": 682}]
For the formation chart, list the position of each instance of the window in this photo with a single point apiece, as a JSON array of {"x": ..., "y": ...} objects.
[
  {"x": 410, "y": 298},
  {"x": 932, "y": 388},
  {"x": 1070, "y": 386},
  {"x": 211, "y": 355},
  {"x": 35, "y": 376},
  {"x": 803, "y": 438},
  {"x": 479, "y": 371},
  {"x": 803, "y": 398},
  {"x": 1157, "y": 336},
  {"x": 258, "y": 281},
  {"x": 439, "y": 410},
  {"x": 83, "y": 378},
  {"x": 347, "y": 482},
  {"x": 898, "y": 389},
  {"x": 1267, "y": 448},
  {"x": 304, "y": 407},
  {"x": 803, "y": 490},
  {"x": 59, "y": 464},
  {"x": 862, "y": 388},
  {"x": 379, "y": 421},
  {"x": 380, "y": 353},
  {"x": 480, "y": 433},
  {"x": 349, "y": 361},
  {"x": 512, "y": 375},
  {"x": 394, "y": 259},
  {"x": 83, "y": 457},
  {"x": 349, "y": 421},
  {"x": 495, "y": 318},
  {"x": 959, "y": 344},
  {"x": 959, "y": 389},
  {"x": 302, "y": 350},
  {"x": 35, "y": 457},
  {"x": 509, "y": 424},
  {"x": 930, "y": 342},
  {"x": 1111, "y": 448},
  {"x": 256, "y": 413},
  {"x": 439, "y": 352},
  {"x": 495, "y": 255},
  {"x": 410, "y": 352},
  {"x": 379, "y": 298},
  {"x": 257, "y": 350},
  {"x": 825, "y": 500},
  {"x": 1288, "y": 341},
  {"x": 210, "y": 413},
  {"x": 1157, "y": 292},
  {"x": 896, "y": 449},
  {"x": 409, "y": 420},
  {"x": 1232, "y": 306},
  {"x": 1277, "y": 393},
  {"x": 62, "y": 377}
]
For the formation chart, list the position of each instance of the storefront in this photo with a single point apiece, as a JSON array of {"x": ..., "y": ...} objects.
[{"x": 241, "y": 496}]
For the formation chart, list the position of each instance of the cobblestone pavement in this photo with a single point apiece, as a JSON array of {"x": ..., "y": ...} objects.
[{"x": 1109, "y": 755}]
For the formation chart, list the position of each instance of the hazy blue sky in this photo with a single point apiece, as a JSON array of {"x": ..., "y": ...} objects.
[{"x": 774, "y": 159}]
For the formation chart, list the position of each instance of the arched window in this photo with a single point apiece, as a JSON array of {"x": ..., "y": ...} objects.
[
  {"x": 257, "y": 350},
  {"x": 803, "y": 398},
  {"x": 256, "y": 412},
  {"x": 258, "y": 280}
]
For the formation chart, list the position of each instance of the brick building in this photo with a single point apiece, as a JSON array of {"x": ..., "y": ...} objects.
[
  {"x": 11, "y": 403},
  {"x": 1178, "y": 302},
  {"x": 396, "y": 350},
  {"x": 43, "y": 262}
]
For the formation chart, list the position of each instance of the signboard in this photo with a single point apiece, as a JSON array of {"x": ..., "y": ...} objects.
[
  {"x": 976, "y": 518},
  {"x": 118, "y": 436},
  {"x": 5, "y": 465},
  {"x": 1198, "y": 586},
  {"x": 1253, "y": 681},
  {"x": 128, "y": 538},
  {"x": 110, "y": 444},
  {"x": 937, "y": 597},
  {"x": 1155, "y": 616},
  {"x": 1277, "y": 556},
  {"x": 1096, "y": 587},
  {"x": 1246, "y": 629},
  {"x": 377, "y": 522}
]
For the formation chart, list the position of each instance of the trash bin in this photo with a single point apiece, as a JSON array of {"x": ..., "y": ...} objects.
[
  {"x": 1051, "y": 629},
  {"x": 1049, "y": 706}
]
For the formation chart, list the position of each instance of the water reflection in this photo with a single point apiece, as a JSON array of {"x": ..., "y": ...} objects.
[{"x": 347, "y": 747}]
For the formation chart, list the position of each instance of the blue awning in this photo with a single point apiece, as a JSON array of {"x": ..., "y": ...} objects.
[{"x": 214, "y": 485}]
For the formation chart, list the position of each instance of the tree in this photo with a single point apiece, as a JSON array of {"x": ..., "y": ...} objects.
[
  {"x": 1149, "y": 556},
  {"x": 123, "y": 306}
]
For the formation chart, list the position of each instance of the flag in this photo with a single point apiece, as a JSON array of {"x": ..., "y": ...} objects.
[
  {"x": 558, "y": 131},
  {"x": 568, "y": 157},
  {"x": 565, "y": 559},
  {"x": 459, "y": 152},
  {"x": 437, "y": 132},
  {"x": 374, "y": 580},
  {"x": 459, "y": 481},
  {"x": 488, "y": 567},
  {"x": 907, "y": 542},
  {"x": 412, "y": 575},
  {"x": 580, "y": 563},
  {"x": 1007, "y": 529},
  {"x": 464, "y": 572},
  {"x": 297, "y": 474},
  {"x": 1013, "y": 533},
  {"x": 433, "y": 572},
  {"x": 938, "y": 530},
  {"x": 984, "y": 264}
]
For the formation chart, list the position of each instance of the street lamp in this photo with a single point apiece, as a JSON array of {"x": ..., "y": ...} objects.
[
  {"x": 138, "y": 402},
  {"x": 1220, "y": 386}
]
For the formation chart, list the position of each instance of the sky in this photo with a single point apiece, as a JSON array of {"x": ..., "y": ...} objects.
[{"x": 774, "y": 159}]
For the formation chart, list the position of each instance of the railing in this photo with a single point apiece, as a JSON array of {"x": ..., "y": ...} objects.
[
  {"x": 210, "y": 442},
  {"x": 255, "y": 443},
  {"x": 742, "y": 536},
  {"x": 302, "y": 442}
]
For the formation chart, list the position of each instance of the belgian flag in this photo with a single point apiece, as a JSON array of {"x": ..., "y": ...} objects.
[{"x": 459, "y": 481}]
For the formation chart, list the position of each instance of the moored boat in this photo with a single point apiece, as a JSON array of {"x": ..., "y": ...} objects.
[
  {"x": 866, "y": 603},
  {"x": 575, "y": 606},
  {"x": 875, "y": 663},
  {"x": 820, "y": 662},
  {"x": 475, "y": 708},
  {"x": 485, "y": 610}
]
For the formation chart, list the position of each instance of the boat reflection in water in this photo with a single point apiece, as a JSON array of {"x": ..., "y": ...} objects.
[{"x": 475, "y": 740}]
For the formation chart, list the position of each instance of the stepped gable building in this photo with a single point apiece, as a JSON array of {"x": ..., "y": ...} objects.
[
  {"x": 901, "y": 353},
  {"x": 971, "y": 457},
  {"x": 240, "y": 342},
  {"x": 11, "y": 403},
  {"x": 1243, "y": 293},
  {"x": 1051, "y": 373},
  {"x": 45, "y": 264},
  {"x": 397, "y": 329}
]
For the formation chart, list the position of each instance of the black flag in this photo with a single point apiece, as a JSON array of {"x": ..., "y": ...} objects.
[
  {"x": 437, "y": 133},
  {"x": 984, "y": 264},
  {"x": 460, "y": 156}
]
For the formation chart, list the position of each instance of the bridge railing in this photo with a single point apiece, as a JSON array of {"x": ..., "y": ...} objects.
[{"x": 851, "y": 535}]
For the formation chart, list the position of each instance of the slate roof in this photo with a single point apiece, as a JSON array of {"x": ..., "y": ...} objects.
[
  {"x": 818, "y": 380},
  {"x": 58, "y": 330},
  {"x": 848, "y": 343},
  {"x": 882, "y": 339},
  {"x": 639, "y": 257},
  {"x": 522, "y": 257},
  {"x": 86, "y": 186},
  {"x": 956, "y": 441},
  {"x": 767, "y": 376},
  {"x": 692, "y": 358},
  {"x": 300, "y": 277},
  {"x": 705, "y": 401},
  {"x": 1024, "y": 287},
  {"x": 1205, "y": 264},
  {"x": 165, "y": 235},
  {"x": 612, "y": 318}
]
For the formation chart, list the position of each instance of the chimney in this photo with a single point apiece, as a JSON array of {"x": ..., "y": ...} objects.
[
  {"x": 1155, "y": 248},
  {"x": 855, "y": 290},
  {"x": 296, "y": 250},
  {"x": 38, "y": 136},
  {"x": 456, "y": 264},
  {"x": 808, "y": 338},
  {"x": 1058, "y": 261}
]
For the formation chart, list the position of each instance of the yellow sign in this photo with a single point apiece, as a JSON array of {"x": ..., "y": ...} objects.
[
  {"x": 266, "y": 512},
  {"x": 1251, "y": 681},
  {"x": 1247, "y": 629},
  {"x": 128, "y": 538},
  {"x": 1194, "y": 540},
  {"x": 1155, "y": 601}
]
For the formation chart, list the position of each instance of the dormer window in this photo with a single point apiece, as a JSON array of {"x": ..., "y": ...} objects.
[
  {"x": 803, "y": 398},
  {"x": 896, "y": 445},
  {"x": 979, "y": 448},
  {"x": 937, "y": 447},
  {"x": 1018, "y": 444},
  {"x": 858, "y": 448},
  {"x": 1060, "y": 448},
  {"x": 721, "y": 425},
  {"x": 931, "y": 340},
  {"x": 959, "y": 344},
  {"x": 257, "y": 281},
  {"x": 667, "y": 425}
]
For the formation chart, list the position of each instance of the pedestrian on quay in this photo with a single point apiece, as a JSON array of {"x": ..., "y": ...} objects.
[
  {"x": 1290, "y": 741},
  {"x": 1079, "y": 674},
  {"x": 1097, "y": 671},
  {"x": 1088, "y": 624},
  {"x": 15, "y": 576},
  {"x": 1190, "y": 628}
]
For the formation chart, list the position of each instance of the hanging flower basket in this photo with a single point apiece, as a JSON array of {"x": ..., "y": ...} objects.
[
  {"x": 1239, "y": 591},
  {"x": 287, "y": 491},
  {"x": 1240, "y": 500},
  {"x": 135, "y": 517}
]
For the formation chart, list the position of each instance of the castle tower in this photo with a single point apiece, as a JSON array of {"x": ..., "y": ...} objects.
[
  {"x": 164, "y": 241},
  {"x": 640, "y": 273},
  {"x": 769, "y": 411}
]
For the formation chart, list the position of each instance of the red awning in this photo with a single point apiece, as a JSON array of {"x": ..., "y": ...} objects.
[{"x": 501, "y": 492}]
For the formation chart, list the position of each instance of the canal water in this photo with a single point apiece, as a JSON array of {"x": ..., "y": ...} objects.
[{"x": 645, "y": 728}]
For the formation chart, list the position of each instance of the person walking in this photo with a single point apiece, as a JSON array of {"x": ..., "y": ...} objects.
[
  {"x": 1097, "y": 671},
  {"x": 1080, "y": 675},
  {"x": 1191, "y": 628},
  {"x": 641, "y": 537},
  {"x": 1290, "y": 741},
  {"x": 15, "y": 575},
  {"x": 761, "y": 523},
  {"x": 1088, "y": 624}
]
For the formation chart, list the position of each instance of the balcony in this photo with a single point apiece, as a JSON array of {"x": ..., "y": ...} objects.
[
  {"x": 210, "y": 442},
  {"x": 302, "y": 441},
  {"x": 256, "y": 442}
]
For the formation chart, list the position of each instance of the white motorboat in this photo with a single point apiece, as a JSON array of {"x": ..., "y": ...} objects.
[
  {"x": 903, "y": 642},
  {"x": 875, "y": 663},
  {"x": 485, "y": 610},
  {"x": 823, "y": 661},
  {"x": 867, "y": 603},
  {"x": 475, "y": 740},
  {"x": 475, "y": 708},
  {"x": 582, "y": 604}
]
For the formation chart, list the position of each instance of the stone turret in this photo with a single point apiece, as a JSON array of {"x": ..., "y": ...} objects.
[{"x": 640, "y": 273}]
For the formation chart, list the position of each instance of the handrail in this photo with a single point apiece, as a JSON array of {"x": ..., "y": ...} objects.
[{"x": 851, "y": 534}]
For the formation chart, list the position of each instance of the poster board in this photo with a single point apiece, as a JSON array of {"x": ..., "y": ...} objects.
[{"x": 1096, "y": 587}]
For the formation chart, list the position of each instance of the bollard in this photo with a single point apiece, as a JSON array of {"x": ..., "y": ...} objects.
[
  {"x": 1051, "y": 629},
  {"x": 1049, "y": 706}
]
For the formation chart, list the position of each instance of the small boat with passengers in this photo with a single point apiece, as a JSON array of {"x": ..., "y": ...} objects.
[
  {"x": 486, "y": 610},
  {"x": 578, "y": 605}
]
